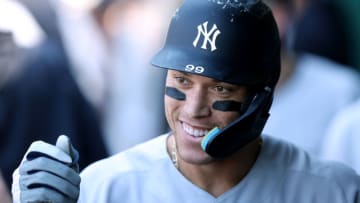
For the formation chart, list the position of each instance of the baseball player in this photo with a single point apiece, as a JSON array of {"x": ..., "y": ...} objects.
[{"x": 223, "y": 62}]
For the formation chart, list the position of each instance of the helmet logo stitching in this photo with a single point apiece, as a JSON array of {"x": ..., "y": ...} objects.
[
  {"x": 243, "y": 5},
  {"x": 209, "y": 36}
]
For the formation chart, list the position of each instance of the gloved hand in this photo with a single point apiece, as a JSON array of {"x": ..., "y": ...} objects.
[{"x": 47, "y": 173}]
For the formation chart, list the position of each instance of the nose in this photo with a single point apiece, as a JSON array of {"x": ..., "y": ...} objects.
[{"x": 197, "y": 104}]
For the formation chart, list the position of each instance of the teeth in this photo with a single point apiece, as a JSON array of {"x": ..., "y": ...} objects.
[{"x": 194, "y": 132}]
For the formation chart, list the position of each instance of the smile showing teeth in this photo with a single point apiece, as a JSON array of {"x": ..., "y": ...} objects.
[{"x": 194, "y": 132}]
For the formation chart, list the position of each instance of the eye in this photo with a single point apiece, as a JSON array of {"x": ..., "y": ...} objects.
[
  {"x": 182, "y": 80},
  {"x": 222, "y": 89}
]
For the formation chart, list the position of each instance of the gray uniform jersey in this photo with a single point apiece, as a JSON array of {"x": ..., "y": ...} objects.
[{"x": 282, "y": 173}]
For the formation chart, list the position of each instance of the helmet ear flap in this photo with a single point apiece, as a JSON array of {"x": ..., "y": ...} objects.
[
  {"x": 221, "y": 143},
  {"x": 264, "y": 114},
  {"x": 251, "y": 94}
]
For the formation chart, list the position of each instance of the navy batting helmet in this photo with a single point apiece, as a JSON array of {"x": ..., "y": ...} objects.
[{"x": 234, "y": 41}]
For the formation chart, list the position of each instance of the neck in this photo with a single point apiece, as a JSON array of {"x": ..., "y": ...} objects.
[{"x": 219, "y": 176}]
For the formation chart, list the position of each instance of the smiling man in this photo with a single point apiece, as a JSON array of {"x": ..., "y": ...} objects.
[{"x": 223, "y": 61}]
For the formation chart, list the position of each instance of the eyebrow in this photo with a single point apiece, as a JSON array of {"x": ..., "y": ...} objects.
[
  {"x": 186, "y": 73},
  {"x": 213, "y": 80}
]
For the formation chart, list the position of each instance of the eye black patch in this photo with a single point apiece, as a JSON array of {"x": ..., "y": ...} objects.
[
  {"x": 228, "y": 105},
  {"x": 175, "y": 93}
]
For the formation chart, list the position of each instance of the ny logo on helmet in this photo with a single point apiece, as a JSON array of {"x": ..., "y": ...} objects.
[{"x": 209, "y": 36}]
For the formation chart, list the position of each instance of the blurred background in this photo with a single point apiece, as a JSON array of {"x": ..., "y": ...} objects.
[
  {"x": 319, "y": 78},
  {"x": 81, "y": 68}
]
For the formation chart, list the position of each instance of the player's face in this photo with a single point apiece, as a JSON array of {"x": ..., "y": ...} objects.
[{"x": 189, "y": 106}]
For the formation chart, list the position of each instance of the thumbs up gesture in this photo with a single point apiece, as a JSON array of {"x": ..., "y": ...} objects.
[{"x": 47, "y": 173}]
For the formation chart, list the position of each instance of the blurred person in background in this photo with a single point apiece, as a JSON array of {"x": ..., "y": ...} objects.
[
  {"x": 321, "y": 30},
  {"x": 341, "y": 141},
  {"x": 315, "y": 82},
  {"x": 135, "y": 89},
  {"x": 129, "y": 32},
  {"x": 342, "y": 136},
  {"x": 7, "y": 71},
  {"x": 45, "y": 98},
  {"x": 77, "y": 75}
]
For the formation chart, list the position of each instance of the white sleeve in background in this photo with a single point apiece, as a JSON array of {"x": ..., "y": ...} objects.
[{"x": 342, "y": 139}]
